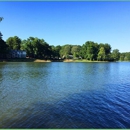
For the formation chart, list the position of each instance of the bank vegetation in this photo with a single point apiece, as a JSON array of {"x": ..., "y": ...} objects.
[{"x": 39, "y": 49}]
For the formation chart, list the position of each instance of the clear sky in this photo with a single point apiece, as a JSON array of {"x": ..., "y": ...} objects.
[{"x": 60, "y": 23}]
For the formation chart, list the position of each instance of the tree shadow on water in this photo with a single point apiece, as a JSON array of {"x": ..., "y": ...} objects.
[
  {"x": 75, "y": 111},
  {"x": 61, "y": 114}
]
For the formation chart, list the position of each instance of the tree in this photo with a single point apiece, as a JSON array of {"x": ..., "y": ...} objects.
[
  {"x": 89, "y": 50},
  {"x": 125, "y": 56},
  {"x": 45, "y": 50},
  {"x": 1, "y": 35},
  {"x": 3, "y": 45},
  {"x": 27, "y": 46},
  {"x": 36, "y": 48},
  {"x": 83, "y": 51},
  {"x": 65, "y": 51},
  {"x": 92, "y": 51},
  {"x": 75, "y": 50},
  {"x": 107, "y": 49},
  {"x": 1, "y": 18},
  {"x": 101, "y": 54},
  {"x": 128, "y": 56},
  {"x": 55, "y": 51},
  {"x": 3, "y": 48},
  {"x": 14, "y": 43},
  {"x": 122, "y": 56},
  {"x": 115, "y": 54}
]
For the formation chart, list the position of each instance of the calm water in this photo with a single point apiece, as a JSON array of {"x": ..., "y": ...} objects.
[{"x": 65, "y": 95}]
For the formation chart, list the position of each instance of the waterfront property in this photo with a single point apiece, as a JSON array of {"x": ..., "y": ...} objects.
[{"x": 17, "y": 54}]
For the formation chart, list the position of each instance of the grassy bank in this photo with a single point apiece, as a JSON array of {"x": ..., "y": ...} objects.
[{"x": 82, "y": 60}]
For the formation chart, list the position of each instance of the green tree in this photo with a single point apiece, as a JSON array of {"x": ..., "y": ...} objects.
[
  {"x": 14, "y": 43},
  {"x": 122, "y": 56},
  {"x": 65, "y": 51},
  {"x": 101, "y": 54},
  {"x": 55, "y": 52},
  {"x": 89, "y": 50},
  {"x": 107, "y": 49},
  {"x": 125, "y": 56},
  {"x": 75, "y": 50},
  {"x": 36, "y": 48},
  {"x": 115, "y": 54},
  {"x": 28, "y": 47},
  {"x": 83, "y": 51},
  {"x": 128, "y": 56}
]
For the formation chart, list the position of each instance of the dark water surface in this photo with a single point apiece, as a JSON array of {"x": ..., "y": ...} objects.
[{"x": 65, "y": 95}]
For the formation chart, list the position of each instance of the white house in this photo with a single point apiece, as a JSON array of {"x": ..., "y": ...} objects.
[{"x": 17, "y": 54}]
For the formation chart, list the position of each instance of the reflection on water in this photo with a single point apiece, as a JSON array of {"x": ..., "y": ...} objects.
[{"x": 65, "y": 95}]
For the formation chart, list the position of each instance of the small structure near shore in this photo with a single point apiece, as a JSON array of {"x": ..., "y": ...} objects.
[{"x": 17, "y": 54}]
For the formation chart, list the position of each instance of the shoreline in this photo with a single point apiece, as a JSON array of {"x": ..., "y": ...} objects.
[
  {"x": 69, "y": 60},
  {"x": 24, "y": 60},
  {"x": 46, "y": 61}
]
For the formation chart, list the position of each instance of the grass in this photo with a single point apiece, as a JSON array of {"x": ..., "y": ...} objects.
[{"x": 81, "y": 60}]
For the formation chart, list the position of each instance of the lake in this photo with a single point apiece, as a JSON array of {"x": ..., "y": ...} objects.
[{"x": 65, "y": 95}]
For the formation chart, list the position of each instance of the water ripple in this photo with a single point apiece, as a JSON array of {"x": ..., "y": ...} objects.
[{"x": 58, "y": 95}]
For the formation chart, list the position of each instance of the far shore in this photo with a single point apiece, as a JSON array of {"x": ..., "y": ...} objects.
[
  {"x": 24, "y": 60},
  {"x": 43, "y": 60},
  {"x": 83, "y": 60}
]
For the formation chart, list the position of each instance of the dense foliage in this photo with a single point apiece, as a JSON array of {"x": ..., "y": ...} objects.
[
  {"x": 125, "y": 56},
  {"x": 38, "y": 48},
  {"x": 3, "y": 48}
]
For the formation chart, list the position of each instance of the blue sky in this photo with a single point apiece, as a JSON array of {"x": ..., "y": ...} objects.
[{"x": 60, "y": 23}]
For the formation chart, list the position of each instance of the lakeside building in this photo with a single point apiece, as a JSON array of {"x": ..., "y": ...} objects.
[{"x": 17, "y": 54}]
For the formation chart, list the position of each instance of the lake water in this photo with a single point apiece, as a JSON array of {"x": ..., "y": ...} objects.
[{"x": 65, "y": 95}]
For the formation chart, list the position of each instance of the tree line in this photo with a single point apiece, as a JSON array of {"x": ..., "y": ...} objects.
[{"x": 39, "y": 48}]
